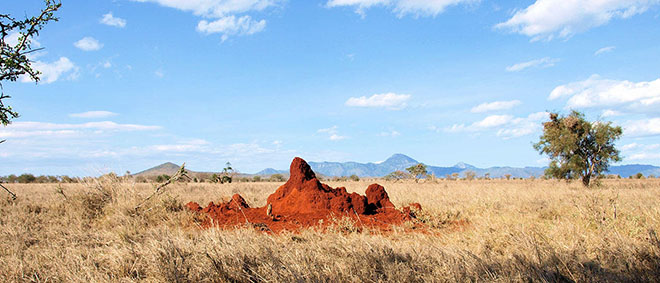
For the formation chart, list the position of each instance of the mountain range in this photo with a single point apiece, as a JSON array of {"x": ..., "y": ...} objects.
[{"x": 401, "y": 162}]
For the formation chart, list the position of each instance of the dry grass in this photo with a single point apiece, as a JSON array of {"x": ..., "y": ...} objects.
[{"x": 518, "y": 231}]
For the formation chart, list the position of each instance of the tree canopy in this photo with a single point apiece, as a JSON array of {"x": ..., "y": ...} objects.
[
  {"x": 15, "y": 48},
  {"x": 578, "y": 148}
]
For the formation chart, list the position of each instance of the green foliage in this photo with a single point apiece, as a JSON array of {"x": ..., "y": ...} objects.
[
  {"x": 277, "y": 178},
  {"x": 162, "y": 178},
  {"x": 354, "y": 178},
  {"x": 26, "y": 178},
  {"x": 578, "y": 148},
  {"x": 417, "y": 171},
  {"x": 14, "y": 58},
  {"x": 397, "y": 175},
  {"x": 639, "y": 176}
]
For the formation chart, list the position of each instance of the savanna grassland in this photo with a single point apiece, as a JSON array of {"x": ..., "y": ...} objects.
[{"x": 480, "y": 230}]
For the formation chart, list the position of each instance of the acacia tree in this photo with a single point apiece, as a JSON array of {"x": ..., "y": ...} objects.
[
  {"x": 417, "y": 171},
  {"x": 14, "y": 59},
  {"x": 578, "y": 148}
]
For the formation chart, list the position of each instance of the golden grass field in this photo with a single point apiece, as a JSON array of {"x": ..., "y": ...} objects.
[{"x": 518, "y": 230}]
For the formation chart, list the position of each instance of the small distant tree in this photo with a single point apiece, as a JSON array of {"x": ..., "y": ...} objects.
[
  {"x": 578, "y": 148},
  {"x": 26, "y": 178},
  {"x": 469, "y": 175},
  {"x": 487, "y": 176},
  {"x": 507, "y": 176},
  {"x": 454, "y": 176},
  {"x": 397, "y": 175},
  {"x": 276, "y": 178},
  {"x": 639, "y": 176},
  {"x": 417, "y": 171},
  {"x": 354, "y": 178},
  {"x": 256, "y": 179}
]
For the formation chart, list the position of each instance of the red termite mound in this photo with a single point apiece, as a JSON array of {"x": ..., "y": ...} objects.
[{"x": 303, "y": 201}]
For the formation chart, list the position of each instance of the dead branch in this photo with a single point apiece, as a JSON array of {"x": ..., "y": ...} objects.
[
  {"x": 13, "y": 195},
  {"x": 178, "y": 175}
]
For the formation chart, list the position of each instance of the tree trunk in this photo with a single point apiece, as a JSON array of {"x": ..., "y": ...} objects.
[{"x": 586, "y": 179}]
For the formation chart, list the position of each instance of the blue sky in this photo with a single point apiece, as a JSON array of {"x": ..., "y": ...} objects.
[{"x": 129, "y": 84}]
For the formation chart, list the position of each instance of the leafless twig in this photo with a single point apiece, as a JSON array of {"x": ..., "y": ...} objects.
[
  {"x": 13, "y": 195},
  {"x": 178, "y": 175}
]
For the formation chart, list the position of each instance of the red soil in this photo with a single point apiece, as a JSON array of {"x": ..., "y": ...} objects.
[{"x": 304, "y": 202}]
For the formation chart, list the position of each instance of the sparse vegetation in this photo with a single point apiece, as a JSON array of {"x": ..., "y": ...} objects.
[{"x": 541, "y": 230}]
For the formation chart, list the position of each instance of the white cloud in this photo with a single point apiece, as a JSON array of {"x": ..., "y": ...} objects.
[
  {"x": 643, "y": 156},
  {"x": 224, "y": 14},
  {"x": 610, "y": 113},
  {"x": 333, "y": 133},
  {"x": 110, "y": 20},
  {"x": 495, "y": 106},
  {"x": 88, "y": 44},
  {"x": 645, "y": 127},
  {"x": 41, "y": 129},
  {"x": 93, "y": 114},
  {"x": 597, "y": 92},
  {"x": 231, "y": 25},
  {"x": 505, "y": 126},
  {"x": 547, "y": 19},
  {"x": 401, "y": 7},
  {"x": 636, "y": 152},
  {"x": 542, "y": 63},
  {"x": 51, "y": 72},
  {"x": 390, "y": 100},
  {"x": 392, "y": 133},
  {"x": 604, "y": 50},
  {"x": 104, "y": 125}
]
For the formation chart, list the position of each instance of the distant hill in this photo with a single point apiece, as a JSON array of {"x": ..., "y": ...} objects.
[{"x": 167, "y": 168}]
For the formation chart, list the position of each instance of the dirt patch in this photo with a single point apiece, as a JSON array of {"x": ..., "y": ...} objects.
[{"x": 303, "y": 202}]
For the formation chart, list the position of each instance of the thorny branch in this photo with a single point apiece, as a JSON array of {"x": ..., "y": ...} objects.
[{"x": 181, "y": 173}]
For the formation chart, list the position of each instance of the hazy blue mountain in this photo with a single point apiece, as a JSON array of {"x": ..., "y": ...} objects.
[
  {"x": 633, "y": 169},
  {"x": 401, "y": 162},
  {"x": 271, "y": 171},
  {"x": 395, "y": 162}
]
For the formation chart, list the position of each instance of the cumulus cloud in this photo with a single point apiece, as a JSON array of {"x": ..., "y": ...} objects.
[
  {"x": 93, "y": 114},
  {"x": 542, "y": 63},
  {"x": 88, "y": 44},
  {"x": 598, "y": 92},
  {"x": 51, "y": 72},
  {"x": 401, "y": 7},
  {"x": 548, "y": 19},
  {"x": 392, "y": 133},
  {"x": 223, "y": 14},
  {"x": 495, "y": 106},
  {"x": 390, "y": 101},
  {"x": 231, "y": 25},
  {"x": 110, "y": 20},
  {"x": 645, "y": 127},
  {"x": 32, "y": 129},
  {"x": 505, "y": 126},
  {"x": 333, "y": 133},
  {"x": 637, "y": 152},
  {"x": 604, "y": 50}
]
